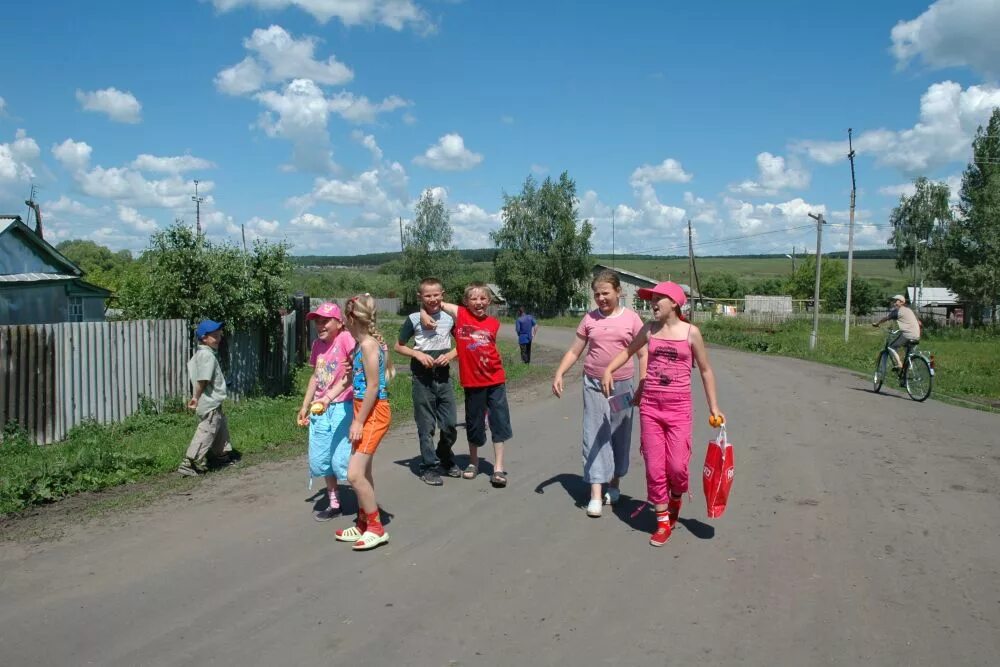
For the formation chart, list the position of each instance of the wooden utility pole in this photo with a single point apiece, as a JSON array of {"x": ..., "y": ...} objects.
[
  {"x": 850, "y": 242},
  {"x": 197, "y": 208},
  {"x": 819, "y": 256},
  {"x": 402, "y": 248},
  {"x": 612, "y": 239},
  {"x": 690, "y": 256}
]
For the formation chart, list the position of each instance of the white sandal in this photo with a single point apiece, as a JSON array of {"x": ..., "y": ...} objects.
[
  {"x": 352, "y": 534},
  {"x": 370, "y": 540}
]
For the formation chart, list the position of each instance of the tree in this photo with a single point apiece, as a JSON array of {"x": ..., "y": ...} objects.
[
  {"x": 427, "y": 247},
  {"x": 913, "y": 223},
  {"x": 100, "y": 265},
  {"x": 964, "y": 252},
  {"x": 182, "y": 275},
  {"x": 833, "y": 278},
  {"x": 543, "y": 252},
  {"x": 722, "y": 286}
]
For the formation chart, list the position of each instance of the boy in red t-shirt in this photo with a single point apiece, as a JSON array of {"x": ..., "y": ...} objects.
[{"x": 480, "y": 370}]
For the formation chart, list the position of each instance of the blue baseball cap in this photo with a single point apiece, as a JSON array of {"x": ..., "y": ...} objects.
[{"x": 206, "y": 327}]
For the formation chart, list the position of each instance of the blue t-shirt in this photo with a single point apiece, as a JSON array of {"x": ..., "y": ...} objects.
[
  {"x": 361, "y": 382},
  {"x": 523, "y": 325}
]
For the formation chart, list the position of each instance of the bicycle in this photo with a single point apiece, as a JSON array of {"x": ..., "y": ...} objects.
[{"x": 917, "y": 373}]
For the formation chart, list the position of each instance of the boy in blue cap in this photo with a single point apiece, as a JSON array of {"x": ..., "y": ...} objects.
[{"x": 210, "y": 443}]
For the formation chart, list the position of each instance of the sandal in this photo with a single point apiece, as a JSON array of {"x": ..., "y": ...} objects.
[
  {"x": 370, "y": 540},
  {"x": 499, "y": 479},
  {"x": 470, "y": 472},
  {"x": 351, "y": 534}
]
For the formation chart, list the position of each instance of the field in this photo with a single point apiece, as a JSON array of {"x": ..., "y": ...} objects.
[{"x": 882, "y": 272}]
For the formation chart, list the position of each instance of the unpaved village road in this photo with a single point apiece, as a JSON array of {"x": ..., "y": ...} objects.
[{"x": 863, "y": 530}]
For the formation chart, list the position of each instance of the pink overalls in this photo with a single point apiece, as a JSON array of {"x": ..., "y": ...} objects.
[{"x": 665, "y": 417}]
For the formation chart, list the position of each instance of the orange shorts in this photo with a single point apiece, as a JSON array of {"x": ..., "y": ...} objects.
[{"x": 375, "y": 427}]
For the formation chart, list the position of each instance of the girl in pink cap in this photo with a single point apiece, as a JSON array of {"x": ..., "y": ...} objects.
[
  {"x": 664, "y": 399},
  {"x": 328, "y": 414}
]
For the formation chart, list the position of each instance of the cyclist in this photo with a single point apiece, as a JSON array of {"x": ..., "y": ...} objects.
[{"x": 908, "y": 325}]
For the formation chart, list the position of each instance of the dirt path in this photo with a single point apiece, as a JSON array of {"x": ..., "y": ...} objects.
[{"x": 864, "y": 530}]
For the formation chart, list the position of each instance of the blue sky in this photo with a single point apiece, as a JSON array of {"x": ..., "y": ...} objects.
[{"x": 322, "y": 121}]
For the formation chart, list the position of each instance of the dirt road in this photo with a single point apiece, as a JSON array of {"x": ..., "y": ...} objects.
[{"x": 864, "y": 529}]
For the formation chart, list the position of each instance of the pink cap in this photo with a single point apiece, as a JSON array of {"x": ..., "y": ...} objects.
[
  {"x": 326, "y": 310},
  {"x": 669, "y": 289}
]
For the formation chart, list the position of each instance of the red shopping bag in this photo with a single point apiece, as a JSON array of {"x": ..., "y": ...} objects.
[{"x": 717, "y": 475}]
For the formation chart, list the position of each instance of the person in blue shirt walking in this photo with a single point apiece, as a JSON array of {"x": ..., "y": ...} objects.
[{"x": 526, "y": 328}]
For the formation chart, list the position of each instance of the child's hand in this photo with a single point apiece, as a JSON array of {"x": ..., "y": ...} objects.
[
  {"x": 425, "y": 359},
  {"x": 557, "y": 386},
  {"x": 426, "y": 321},
  {"x": 637, "y": 392},
  {"x": 356, "y": 432},
  {"x": 443, "y": 360},
  {"x": 607, "y": 384},
  {"x": 193, "y": 403},
  {"x": 303, "y": 418},
  {"x": 716, "y": 419}
]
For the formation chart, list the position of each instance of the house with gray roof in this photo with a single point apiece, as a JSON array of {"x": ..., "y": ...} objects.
[{"x": 40, "y": 285}]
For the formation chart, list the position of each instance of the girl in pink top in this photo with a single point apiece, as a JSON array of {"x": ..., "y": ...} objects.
[
  {"x": 664, "y": 396},
  {"x": 607, "y": 433},
  {"x": 329, "y": 447}
]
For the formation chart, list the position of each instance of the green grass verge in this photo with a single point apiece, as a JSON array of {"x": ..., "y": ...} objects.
[
  {"x": 96, "y": 456},
  {"x": 966, "y": 361}
]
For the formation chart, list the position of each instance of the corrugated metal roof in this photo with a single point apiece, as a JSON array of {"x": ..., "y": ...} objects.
[
  {"x": 930, "y": 296},
  {"x": 33, "y": 277}
]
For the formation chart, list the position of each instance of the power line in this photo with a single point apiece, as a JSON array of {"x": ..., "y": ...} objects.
[{"x": 725, "y": 240}]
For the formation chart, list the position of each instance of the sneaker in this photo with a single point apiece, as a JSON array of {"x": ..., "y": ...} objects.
[
  {"x": 187, "y": 470},
  {"x": 663, "y": 530},
  {"x": 431, "y": 476},
  {"x": 334, "y": 501},
  {"x": 612, "y": 495},
  {"x": 327, "y": 514},
  {"x": 594, "y": 507},
  {"x": 453, "y": 471}
]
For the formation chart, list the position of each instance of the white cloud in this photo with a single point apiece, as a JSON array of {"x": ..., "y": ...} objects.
[
  {"x": 507, "y": 120},
  {"x": 359, "y": 109},
  {"x": 449, "y": 154},
  {"x": 3, "y": 106},
  {"x": 365, "y": 192},
  {"x": 472, "y": 225},
  {"x": 67, "y": 206},
  {"x": 302, "y": 113},
  {"x": 127, "y": 186},
  {"x": 170, "y": 165},
  {"x": 952, "y": 33},
  {"x": 368, "y": 141},
  {"x": 310, "y": 221},
  {"x": 900, "y": 190},
  {"x": 16, "y": 158},
  {"x": 73, "y": 155},
  {"x": 669, "y": 171},
  {"x": 539, "y": 169},
  {"x": 773, "y": 176},
  {"x": 135, "y": 220},
  {"x": 118, "y": 105},
  {"x": 954, "y": 183},
  {"x": 409, "y": 118},
  {"x": 394, "y": 14},
  {"x": 279, "y": 57},
  {"x": 949, "y": 117},
  {"x": 262, "y": 227}
]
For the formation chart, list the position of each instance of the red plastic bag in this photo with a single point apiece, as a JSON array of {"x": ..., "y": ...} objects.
[{"x": 717, "y": 475}]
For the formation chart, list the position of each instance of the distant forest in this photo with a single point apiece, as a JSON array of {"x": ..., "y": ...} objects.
[{"x": 487, "y": 255}]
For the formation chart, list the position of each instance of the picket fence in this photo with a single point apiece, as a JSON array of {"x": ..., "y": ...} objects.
[{"x": 57, "y": 376}]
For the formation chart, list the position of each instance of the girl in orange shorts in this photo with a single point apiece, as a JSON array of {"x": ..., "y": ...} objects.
[{"x": 372, "y": 371}]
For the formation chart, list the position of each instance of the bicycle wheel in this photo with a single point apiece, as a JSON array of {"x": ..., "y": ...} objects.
[
  {"x": 880, "y": 367},
  {"x": 919, "y": 378}
]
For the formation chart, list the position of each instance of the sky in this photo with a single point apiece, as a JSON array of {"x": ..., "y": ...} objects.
[{"x": 321, "y": 122}]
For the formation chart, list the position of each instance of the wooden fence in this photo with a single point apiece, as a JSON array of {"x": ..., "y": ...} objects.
[{"x": 56, "y": 376}]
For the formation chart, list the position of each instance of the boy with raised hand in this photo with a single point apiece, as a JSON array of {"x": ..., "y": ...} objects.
[
  {"x": 210, "y": 443},
  {"x": 433, "y": 394}
]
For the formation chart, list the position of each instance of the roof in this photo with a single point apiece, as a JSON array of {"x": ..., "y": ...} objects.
[
  {"x": 630, "y": 274},
  {"x": 496, "y": 291},
  {"x": 932, "y": 296},
  {"x": 33, "y": 277},
  {"x": 10, "y": 224}
]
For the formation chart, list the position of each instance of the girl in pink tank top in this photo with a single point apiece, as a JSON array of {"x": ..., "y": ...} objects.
[{"x": 664, "y": 399}]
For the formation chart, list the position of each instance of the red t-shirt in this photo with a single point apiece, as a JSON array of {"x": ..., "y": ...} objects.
[{"x": 479, "y": 363}]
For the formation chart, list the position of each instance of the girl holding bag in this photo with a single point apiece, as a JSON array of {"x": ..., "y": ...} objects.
[{"x": 664, "y": 399}]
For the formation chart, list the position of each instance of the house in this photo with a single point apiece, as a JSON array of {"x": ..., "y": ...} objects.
[
  {"x": 937, "y": 303},
  {"x": 38, "y": 285},
  {"x": 631, "y": 284}
]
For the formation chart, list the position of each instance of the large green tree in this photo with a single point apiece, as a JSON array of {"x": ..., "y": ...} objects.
[
  {"x": 427, "y": 247},
  {"x": 182, "y": 275},
  {"x": 543, "y": 250},
  {"x": 914, "y": 221},
  {"x": 100, "y": 265},
  {"x": 965, "y": 251}
]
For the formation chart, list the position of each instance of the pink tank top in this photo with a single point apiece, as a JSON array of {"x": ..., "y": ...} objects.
[{"x": 669, "y": 366}]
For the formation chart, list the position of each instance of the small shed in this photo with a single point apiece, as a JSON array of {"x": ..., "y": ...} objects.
[
  {"x": 38, "y": 284},
  {"x": 937, "y": 303},
  {"x": 754, "y": 303}
]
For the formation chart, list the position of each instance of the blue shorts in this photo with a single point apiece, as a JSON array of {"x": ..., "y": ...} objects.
[{"x": 329, "y": 448}]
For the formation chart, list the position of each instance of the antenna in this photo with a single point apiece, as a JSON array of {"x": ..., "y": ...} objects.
[{"x": 197, "y": 204}]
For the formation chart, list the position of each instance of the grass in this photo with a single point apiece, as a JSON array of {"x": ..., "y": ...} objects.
[
  {"x": 882, "y": 272},
  {"x": 966, "y": 361},
  {"x": 150, "y": 444}
]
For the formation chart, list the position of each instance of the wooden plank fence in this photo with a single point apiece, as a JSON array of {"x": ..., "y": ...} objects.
[{"x": 56, "y": 376}]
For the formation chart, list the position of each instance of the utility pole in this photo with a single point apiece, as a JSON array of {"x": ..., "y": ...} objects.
[
  {"x": 197, "y": 208},
  {"x": 819, "y": 256},
  {"x": 793, "y": 260},
  {"x": 612, "y": 239},
  {"x": 690, "y": 256},
  {"x": 850, "y": 242}
]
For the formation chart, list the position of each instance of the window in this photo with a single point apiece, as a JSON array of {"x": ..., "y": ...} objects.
[{"x": 76, "y": 309}]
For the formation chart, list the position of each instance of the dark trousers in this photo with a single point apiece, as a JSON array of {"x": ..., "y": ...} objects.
[
  {"x": 526, "y": 352},
  {"x": 434, "y": 405}
]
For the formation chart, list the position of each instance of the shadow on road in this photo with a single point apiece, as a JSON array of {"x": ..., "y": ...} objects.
[
  {"x": 574, "y": 486},
  {"x": 639, "y": 516},
  {"x": 348, "y": 503},
  {"x": 887, "y": 394}
]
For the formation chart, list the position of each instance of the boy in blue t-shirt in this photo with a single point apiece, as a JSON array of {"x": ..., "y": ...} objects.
[{"x": 526, "y": 328}]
